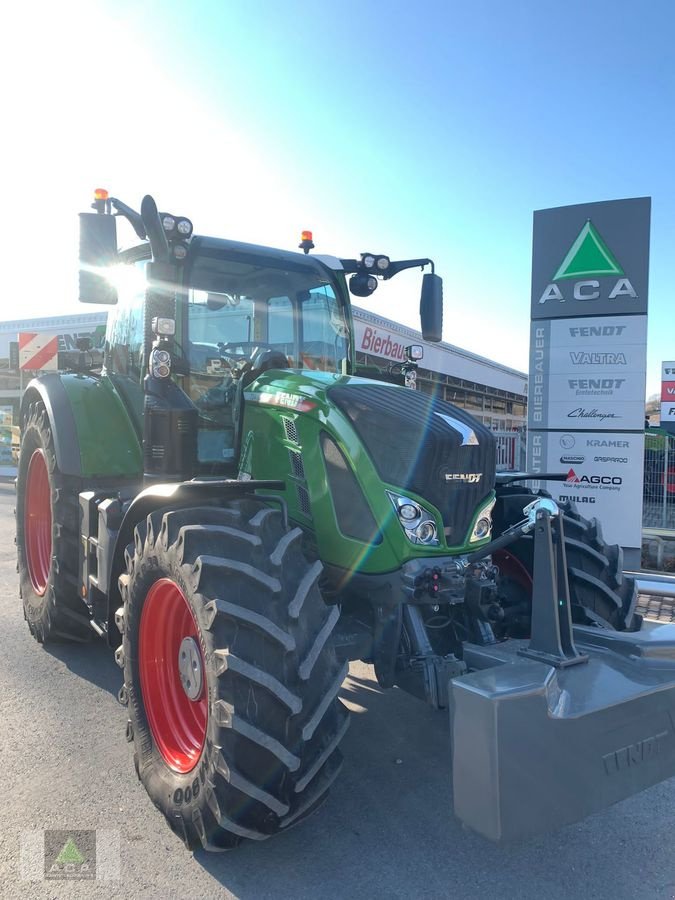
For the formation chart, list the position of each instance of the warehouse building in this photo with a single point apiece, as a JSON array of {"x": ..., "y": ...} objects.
[{"x": 492, "y": 392}]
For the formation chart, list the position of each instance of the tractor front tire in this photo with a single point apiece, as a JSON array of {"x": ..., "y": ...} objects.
[
  {"x": 600, "y": 594},
  {"x": 230, "y": 675},
  {"x": 47, "y": 526}
]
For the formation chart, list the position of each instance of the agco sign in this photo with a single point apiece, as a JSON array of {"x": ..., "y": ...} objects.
[
  {"x": 588, "y": 259},
  {"x": 573, "y": 478}
]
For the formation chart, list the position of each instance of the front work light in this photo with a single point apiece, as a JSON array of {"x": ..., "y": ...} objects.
[
  {"x": 362, "y": 285},
  {"x": 164, "y": 326},
  {"x": 417, "y": 523},
  {"x": 483, "y": 527}
]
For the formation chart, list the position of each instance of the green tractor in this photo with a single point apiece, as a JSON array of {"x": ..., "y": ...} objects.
[{"x": 226, "y": 499}]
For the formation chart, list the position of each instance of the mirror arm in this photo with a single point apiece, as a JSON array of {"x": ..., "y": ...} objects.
[
  {"x": 131, "y": 215},
  {"x": 350, "y": 266},
  {"x": 396, "y": 266}
]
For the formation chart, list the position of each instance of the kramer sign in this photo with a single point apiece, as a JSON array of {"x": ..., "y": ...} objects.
[{"x": 588, "y": 359}]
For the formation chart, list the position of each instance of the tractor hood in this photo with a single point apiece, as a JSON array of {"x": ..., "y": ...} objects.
[
  {"x": 414, "y": 442},
  {"x": 423, "y": 445}
]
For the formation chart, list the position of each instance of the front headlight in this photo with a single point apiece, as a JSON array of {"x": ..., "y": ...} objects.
[
  {"x": 483, "y": 525},
  {"x": 417, "y": 523}
]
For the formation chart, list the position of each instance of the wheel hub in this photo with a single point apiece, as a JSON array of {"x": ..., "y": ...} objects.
[{"x": 190, "y": 667}]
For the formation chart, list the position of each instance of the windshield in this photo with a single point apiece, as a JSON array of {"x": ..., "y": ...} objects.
[
  {"x": 240, "y": 307},
  {"x": 243, "y": 318}
]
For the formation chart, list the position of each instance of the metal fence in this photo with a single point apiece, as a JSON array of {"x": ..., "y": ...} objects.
[
  {"x": 510, "y": 451},
  {"x": 658, "y": 510}
]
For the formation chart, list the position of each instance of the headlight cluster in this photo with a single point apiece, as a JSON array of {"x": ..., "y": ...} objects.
[
  {"x": 483, "y": 527},
  {"x": 178, "y": 231},
  {"x": 370, "y": 261},
  {"x": 160, "y": 363},
  {"x": 418, "y": 523}
]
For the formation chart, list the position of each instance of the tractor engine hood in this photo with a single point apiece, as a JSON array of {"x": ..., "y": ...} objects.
[{"x": 423, "y": 445}]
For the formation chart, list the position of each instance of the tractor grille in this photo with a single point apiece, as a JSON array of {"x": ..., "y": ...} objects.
[
  {"x": 420, "y": 443},
  {"x": 297, "y": 467},
  {"x": 303, "y": 500},
  {"x": 290, "y": 429},
  {"x": 354, "y": 516}
]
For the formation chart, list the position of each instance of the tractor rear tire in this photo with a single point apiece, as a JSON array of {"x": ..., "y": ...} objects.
[
  {"x": 230, "y": 676},
  {"x": 600, "y": 593},
  {"x": 47, "y": 538}
]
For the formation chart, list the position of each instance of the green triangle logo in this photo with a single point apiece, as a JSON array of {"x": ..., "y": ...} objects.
[
  {"x": 588, "y": 255},
  {"x": 69, "y": 854}
]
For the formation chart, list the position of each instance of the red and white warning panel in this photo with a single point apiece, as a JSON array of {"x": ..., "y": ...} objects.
[
  {"x": 668, "y": 395},
  {"x": 38, "y": 351}
]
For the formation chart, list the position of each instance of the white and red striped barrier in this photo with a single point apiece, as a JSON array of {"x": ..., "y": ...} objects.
[{"x": 38, "y": 351}]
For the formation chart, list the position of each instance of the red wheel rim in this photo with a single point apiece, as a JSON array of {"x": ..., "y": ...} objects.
[
  {"x": 38, "y": 522},
  {"x": 177, "y": 723},
  {"x": 511, "y": 567}
]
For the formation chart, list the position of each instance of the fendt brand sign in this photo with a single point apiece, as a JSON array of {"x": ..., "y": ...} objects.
[
  {"x": 590, "y": 277},
  {"x": 668, "y": 396},
  {"x": 577, "y": 381}
]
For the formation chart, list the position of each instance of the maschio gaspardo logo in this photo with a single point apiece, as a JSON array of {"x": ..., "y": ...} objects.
[{"x": 588, "y": 259}]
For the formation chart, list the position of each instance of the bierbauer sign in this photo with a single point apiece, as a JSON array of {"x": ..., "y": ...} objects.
[{"x": 590, "y": 274}]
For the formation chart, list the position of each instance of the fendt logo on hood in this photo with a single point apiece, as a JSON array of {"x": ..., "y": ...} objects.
[
  {"x": 588, "y": 259},
  {"x": 466, "y": 477}
]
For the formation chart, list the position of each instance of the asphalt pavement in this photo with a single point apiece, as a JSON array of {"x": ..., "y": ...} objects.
[{"x": 386, "y": 831}]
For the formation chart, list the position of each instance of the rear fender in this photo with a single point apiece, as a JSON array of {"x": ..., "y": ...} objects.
[{"x": 93, "y": 434}]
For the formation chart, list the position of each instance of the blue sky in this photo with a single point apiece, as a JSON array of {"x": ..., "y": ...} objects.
[{"x": 426, "y": 130}]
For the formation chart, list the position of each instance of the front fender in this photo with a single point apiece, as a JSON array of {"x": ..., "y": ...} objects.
[
  {"x": 94, "y": 436},
  {"x": 172, "y": 496}
]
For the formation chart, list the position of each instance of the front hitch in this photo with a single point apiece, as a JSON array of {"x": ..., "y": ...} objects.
[{"x": 546, "y": 732}]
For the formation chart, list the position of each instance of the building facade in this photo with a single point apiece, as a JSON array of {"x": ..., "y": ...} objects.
[{"x": 495, "y": 394}]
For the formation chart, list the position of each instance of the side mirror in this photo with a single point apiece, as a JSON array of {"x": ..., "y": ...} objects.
[
  {"x": 98, "y": 250},
  {"x": 431, "y": 307}
]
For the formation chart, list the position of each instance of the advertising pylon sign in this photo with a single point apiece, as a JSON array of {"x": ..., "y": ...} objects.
[{"x": 588, "y": 359}]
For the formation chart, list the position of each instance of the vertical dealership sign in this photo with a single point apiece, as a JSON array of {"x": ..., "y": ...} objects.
[
  {"x": 668, "y": 395},
  {"x": 588, "y": 354}
]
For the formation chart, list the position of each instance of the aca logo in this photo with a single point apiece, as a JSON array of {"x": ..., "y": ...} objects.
[{"x": 588, "y": 259}]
